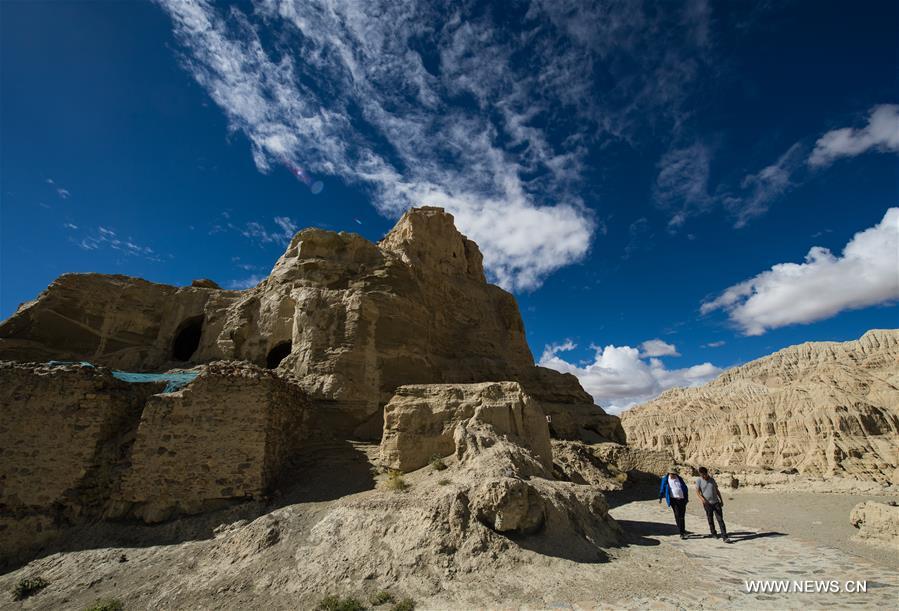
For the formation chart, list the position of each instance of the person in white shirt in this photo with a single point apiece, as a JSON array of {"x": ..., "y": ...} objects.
[{"x": 674, "y": 491}]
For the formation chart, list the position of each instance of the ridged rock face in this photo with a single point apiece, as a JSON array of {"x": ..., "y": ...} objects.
[
  {"x": 822, "y": 408},
  {"x": 351, "y": 320},
  {"x": 420, "y": 421}
]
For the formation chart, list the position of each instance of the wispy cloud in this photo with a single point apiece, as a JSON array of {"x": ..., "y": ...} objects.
[
  {"x": 105, "y": 237},
  {"x": 758, "y": 191},
  {"x": 717, "y": 344},
  {"x": 60, "y": 191},
  {"x": 682, "y": 183},
  {"x": 620, "y": 377},
  {"x": 260, "y": 233},
  {"x": 424, "y": 104},
  {"x": 880, "y": 134},
  {"x": 866, "y": 274},
  {"x": 245, "y": 283}
]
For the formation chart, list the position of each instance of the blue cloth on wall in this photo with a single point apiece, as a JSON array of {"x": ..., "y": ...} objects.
[{"x": 174, "y": 380}]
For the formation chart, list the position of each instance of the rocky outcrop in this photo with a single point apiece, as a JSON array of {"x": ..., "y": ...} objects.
[
  {"x": 877, "y": 523},
  {"x": 351, "y": 320},
  {"x": 822, "y": 408},
  {"x": 420, "y": 421}
]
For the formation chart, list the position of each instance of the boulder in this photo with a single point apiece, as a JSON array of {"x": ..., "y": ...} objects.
[
  {"x": 420, "y": 421},
  {"x": 877, "y": 523},
  {"x": 205, "y": 283}
]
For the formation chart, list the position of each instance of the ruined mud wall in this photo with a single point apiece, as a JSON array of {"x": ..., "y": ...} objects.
[
  {"x": 79, "y": 445},
  {"x": 226, "y": 436},
  {"x": 63, "y": 432}
]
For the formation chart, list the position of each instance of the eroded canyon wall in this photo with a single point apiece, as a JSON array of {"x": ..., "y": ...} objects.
[{"x": 822, "y": 408}]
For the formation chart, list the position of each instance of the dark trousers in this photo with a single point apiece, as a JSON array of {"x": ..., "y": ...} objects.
[
  {"x": 679, "y": 507},
  {"x": 716, "y": 509}
]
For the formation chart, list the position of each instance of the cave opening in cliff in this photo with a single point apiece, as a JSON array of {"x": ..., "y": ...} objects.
[
  {"x": 187, "y": 339},
  {"x": 277, "y": 354}
]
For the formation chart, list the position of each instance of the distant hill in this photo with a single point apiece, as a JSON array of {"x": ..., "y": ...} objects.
[{"x": 823, "y": 408}]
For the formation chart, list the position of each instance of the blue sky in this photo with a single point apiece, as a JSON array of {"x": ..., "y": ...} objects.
[{"x": 667, "y": 173}]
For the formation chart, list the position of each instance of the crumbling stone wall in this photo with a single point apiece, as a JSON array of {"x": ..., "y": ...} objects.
[
  {"x": 225, "y": 436},
  {"x": 63, "y": 431}
]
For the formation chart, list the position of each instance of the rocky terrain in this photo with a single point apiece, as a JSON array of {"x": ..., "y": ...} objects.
[{"x": 823, "y": 410}]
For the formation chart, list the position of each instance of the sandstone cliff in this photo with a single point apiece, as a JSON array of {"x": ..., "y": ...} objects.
[{"x": 821, "y": 408}]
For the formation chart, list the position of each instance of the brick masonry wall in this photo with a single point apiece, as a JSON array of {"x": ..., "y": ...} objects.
[{"x": 226, "y": 436}]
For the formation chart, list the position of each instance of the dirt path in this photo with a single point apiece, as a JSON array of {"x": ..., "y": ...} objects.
[{"x": 714, "y": 573}]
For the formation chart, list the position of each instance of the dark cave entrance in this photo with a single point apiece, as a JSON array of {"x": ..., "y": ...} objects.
[
  {"x": 277, "y": 354},
  {"x": 187, "y": 339}
]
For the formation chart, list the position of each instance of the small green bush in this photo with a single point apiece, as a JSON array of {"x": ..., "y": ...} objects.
[
  {"x": 336, "y": 603},
  {"x": 406, "y": 604},
  {"x": 29, "y": 587},
  {"x": 395, "y": 482},
  {"x": 437, "y": 463},
  {"x": 106, "y": 604},
  {"x": 443, "y": 482},
  {"x": 381, "y": 597}
]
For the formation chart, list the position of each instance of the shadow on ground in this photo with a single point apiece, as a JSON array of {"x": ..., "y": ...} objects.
[{"x": 736, "y": 537}]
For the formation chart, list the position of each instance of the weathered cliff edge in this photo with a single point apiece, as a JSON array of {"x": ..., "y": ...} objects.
[{"x": 824, "y": 410}]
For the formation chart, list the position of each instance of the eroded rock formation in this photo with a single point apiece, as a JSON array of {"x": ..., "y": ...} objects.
[
  {"x": 877, "y": 523},
  {"x": 421, "y": 421},
  {"x": 820, "y": 408},
  {"x": 350, "y": 319}
]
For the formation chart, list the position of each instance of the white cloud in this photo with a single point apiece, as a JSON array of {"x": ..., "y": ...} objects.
[
  {"x": 425, "y": 104},
  {"x": 70, "y": 226},
  {"x": 880, "y": 134},
  {"x": 717, "y": 344},
  {"x": 657, "y": 347},
  {"x": 619, "y": 378},
  {"x": 866, "y": 274}
]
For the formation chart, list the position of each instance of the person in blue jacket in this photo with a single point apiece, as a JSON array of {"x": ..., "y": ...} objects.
[{"x": 674, "y": 491}]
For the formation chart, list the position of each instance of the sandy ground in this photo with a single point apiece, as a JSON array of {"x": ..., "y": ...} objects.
[
  {"x": 819, "y": 518},
  {"x": 192, "y": 565}
]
